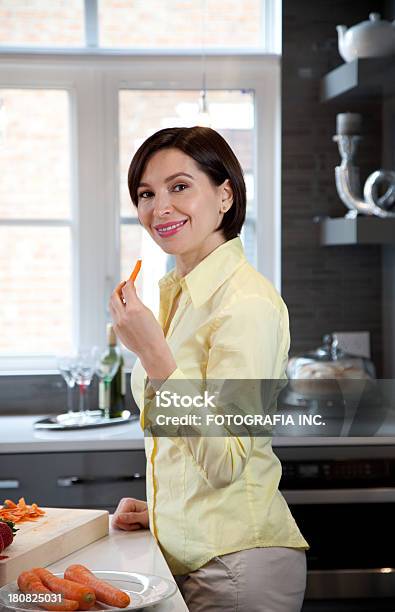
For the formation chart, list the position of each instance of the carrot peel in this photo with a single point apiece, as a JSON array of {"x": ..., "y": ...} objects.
[{"x": 20, "y": 512}]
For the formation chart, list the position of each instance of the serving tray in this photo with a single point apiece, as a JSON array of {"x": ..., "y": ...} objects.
[{"x": 95, "y": 419}]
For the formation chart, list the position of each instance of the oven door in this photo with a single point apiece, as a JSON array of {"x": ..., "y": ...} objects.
[{"x": 352, "y": 542}]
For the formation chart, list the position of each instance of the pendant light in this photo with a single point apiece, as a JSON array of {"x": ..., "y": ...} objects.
[
  {"x": 3, "y": 121},
  {"x": 203, "y": 118}
]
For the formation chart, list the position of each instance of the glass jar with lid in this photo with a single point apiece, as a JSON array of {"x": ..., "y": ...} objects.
[{"x": 327, "y": 366}]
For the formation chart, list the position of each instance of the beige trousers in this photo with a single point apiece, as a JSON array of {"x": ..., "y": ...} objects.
[{"x": 271, "y": 579}]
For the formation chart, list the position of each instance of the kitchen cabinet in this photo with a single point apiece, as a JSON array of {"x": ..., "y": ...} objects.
[{"x": 95, "y": 479}]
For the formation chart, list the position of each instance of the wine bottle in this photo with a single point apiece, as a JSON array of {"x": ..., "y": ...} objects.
[{"x": 112, "y": 397}]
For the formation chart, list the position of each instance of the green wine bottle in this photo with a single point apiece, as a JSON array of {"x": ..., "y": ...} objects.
[{"x": 112, "y": 397}]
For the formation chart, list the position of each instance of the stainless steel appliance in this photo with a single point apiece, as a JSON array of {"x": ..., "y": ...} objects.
[{"x": 342, "y": 494}]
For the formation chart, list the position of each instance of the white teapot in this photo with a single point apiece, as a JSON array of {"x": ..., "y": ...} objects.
[{"x": 371, "y": 38}]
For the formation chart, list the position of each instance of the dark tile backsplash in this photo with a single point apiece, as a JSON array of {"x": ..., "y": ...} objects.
[
  {"x": 46, "y": 394},
  {"x": 325, "y": 288}
]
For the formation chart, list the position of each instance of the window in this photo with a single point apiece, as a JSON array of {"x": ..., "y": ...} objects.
[
  {"x": 141, "y": 113},
  {"x": 42, "y": 23},
  {"x": 35, "y": 222},
  {"x": 174, "y": 24},
  {"x": 69, "y": 125},
  {"x": 142, "y": 24}
]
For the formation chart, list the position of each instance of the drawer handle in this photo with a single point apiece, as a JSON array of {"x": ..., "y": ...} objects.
[
  {"x": 9, "y": 484},
  {"x": 71, "y": 481},
  {"x": 339, "y": 496}
]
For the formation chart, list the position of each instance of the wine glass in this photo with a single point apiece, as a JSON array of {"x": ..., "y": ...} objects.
[
  {"x": 107, "y": 362},
  {"x": 82, "y": 370},
  {"x": 65, "y": 364}
]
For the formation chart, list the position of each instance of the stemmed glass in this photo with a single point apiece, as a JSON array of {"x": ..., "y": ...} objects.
[
  {"x": 107, "y": 361},
  {"x": 65, "y": 364},
  {"x": 82, "y": 370}
]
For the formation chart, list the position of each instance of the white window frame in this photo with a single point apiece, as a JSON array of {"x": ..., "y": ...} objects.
[
  {"x": 93, "y": 81},
  {"x": 270, "y": 34}
]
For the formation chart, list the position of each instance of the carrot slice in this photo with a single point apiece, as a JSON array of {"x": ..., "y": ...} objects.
[
  {"x": 9, "y": 503},
  {"x": 136, "y": 270},
  {"x": 20, "y": 512}
]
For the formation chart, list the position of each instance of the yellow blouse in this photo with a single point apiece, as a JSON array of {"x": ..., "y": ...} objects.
[{"x": 209, "y": 496}]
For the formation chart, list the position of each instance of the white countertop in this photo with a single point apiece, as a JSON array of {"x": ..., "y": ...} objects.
[
  {"x": 126, "y": 551},
  {"x": 17, "y": 435}
]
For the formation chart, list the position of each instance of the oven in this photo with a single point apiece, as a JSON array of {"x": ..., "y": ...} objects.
[{"x": 343, "y": 499}]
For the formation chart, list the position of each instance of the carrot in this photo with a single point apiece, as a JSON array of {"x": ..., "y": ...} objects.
[
  {"x": 71, "y": 590},
  {"x": 136, "y": 270},
  {"x": 104, "y": 592},
  {"x": 20, "y": 512},
  {"x": 28, "y": 582},
  {"x": 9, "y": 503}
]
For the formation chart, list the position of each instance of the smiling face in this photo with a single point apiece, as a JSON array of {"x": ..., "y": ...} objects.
[{"x": 179, "y": 206}]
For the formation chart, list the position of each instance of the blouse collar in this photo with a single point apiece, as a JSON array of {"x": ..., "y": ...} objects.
[{"x": 209, "y": 274}]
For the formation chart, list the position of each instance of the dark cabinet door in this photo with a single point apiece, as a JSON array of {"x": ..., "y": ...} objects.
[{"x": 73, "y": 479}]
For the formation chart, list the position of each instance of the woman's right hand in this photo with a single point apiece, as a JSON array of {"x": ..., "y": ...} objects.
[{"x": 131, "y": 514}]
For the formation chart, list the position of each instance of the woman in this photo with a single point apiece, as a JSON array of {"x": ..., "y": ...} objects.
[{"x": 213, "y": 502}]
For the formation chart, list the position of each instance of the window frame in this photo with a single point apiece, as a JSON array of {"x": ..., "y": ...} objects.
[
  {"x": 93, "y": 81},
  {"x": 270, "y": 28}
]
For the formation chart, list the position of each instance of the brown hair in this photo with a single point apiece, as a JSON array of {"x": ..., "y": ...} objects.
[{"x": 214, "y": 157}]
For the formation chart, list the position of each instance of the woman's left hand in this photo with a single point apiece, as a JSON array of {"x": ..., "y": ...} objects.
[{"x": 139, "y": 331}]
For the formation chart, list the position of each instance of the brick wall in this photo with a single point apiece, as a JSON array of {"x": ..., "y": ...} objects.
[
  {"x": 123, "y": 23},
  {"x": 42, "y": 22},
  {"x": 175, "y": 23},
  {"x": 35, "y": 262}
]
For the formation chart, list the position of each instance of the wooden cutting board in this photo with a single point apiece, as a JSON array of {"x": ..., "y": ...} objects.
[{"x": 53, "y": 536}]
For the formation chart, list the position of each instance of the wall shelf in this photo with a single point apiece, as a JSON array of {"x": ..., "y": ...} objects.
[
  {"x": 366, "y": 76},
  {"x": 361, "y": 230}
]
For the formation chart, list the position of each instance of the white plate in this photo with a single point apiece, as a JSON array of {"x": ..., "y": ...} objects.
[{"x": 144, "y": 590}]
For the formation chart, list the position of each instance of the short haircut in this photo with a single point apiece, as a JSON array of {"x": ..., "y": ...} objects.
[{"x": 213, "y": 156}]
